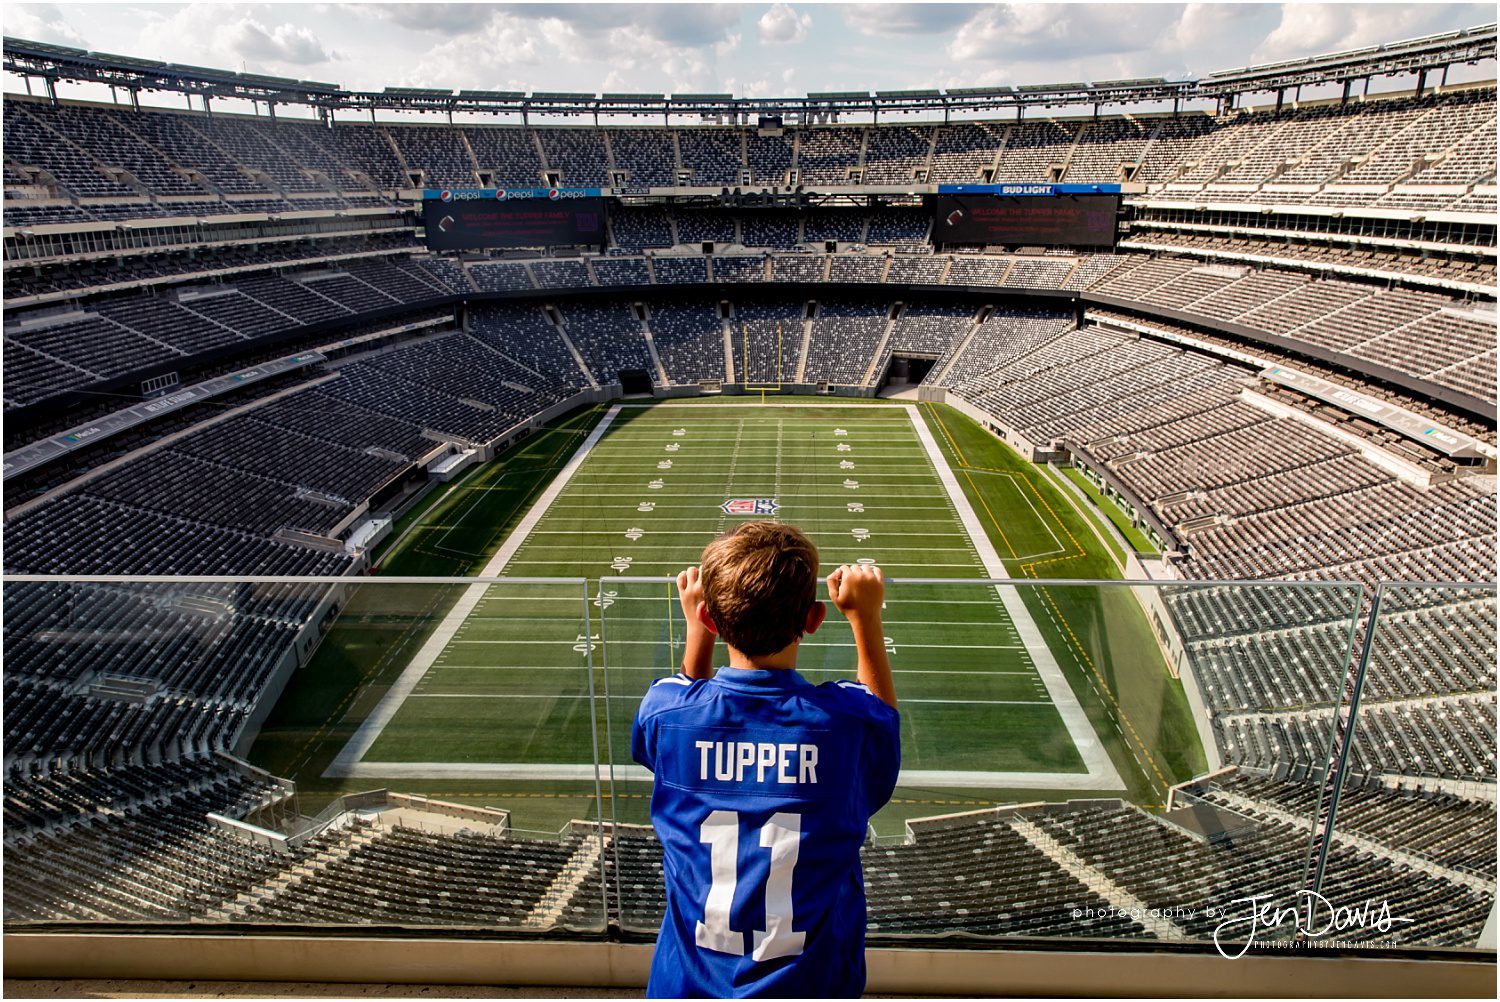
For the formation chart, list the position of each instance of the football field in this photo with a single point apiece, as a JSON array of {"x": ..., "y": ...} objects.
[{"x": 510, "y": 681}]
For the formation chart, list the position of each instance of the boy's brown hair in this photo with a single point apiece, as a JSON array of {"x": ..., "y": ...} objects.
[{"x": 759, "y": 581}]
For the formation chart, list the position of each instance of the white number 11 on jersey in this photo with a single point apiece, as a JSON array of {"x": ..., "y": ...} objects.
[{"x": 782, "y": 834}]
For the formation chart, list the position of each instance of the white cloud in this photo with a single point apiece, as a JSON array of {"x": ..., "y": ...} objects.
[
  {"x": 286, "y": 43},
  {"x": 479, "y": 60},
  {"x": 781, "y": 25},
  {"x": 41, "y": 22},
  {"x": 1055, "y": 32},
  {"x": 440, "y": 18},
  {"x": 898, "y": 20},
  {"x": 230, "y": 36},
  {"x": 604, "y": 47},
  {"x": 1310, "y": 29}
]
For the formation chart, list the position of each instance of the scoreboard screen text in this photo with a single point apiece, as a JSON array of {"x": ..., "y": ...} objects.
[
  {"x": 1061, "y": 220},
  {"x": 463, "y": 223}
]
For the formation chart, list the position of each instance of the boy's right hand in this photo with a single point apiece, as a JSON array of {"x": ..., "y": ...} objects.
[
  {"x": 690, "y": 593},
  {"x": 698, "y": 639},
  {"x": 857, "y": 590}
]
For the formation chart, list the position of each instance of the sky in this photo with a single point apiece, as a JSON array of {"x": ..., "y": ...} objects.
[{"x": 749, "y": 50}]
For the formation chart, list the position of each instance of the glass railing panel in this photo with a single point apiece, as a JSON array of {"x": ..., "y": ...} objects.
[
  {"x": 383, "y": 752},
  {"x": 1080, "y": 760},
  {"x": 1050, "y": 736},
  {"x": 1412, "y": 857}
]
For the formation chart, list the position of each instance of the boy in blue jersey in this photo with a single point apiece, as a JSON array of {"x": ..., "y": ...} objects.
[{"x": 765, "y": 782}]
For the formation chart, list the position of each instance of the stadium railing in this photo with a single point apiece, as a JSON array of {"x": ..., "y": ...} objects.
[{"x": 1209, "y": 766}]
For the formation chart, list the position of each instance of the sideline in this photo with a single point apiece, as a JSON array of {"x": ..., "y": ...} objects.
[
  {"x": 348, "y": 758},
  {"x": 1101, "y": 771}
]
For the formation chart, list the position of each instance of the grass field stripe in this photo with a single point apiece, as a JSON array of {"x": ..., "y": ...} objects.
[
  {"x": 1085, "y": 740},
  {"x": 370, "y": 728}
]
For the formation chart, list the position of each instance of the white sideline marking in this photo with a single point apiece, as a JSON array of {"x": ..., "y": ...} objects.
[
  {"x": 1101, "y": 769},
  {"x": 932, "y": 778},
  {"x": 369, "y": 730}
]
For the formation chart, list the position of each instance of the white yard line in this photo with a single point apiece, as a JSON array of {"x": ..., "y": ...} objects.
[
  {"x": 1101, "y": 769},
  {"x": 369, "y": 730}
]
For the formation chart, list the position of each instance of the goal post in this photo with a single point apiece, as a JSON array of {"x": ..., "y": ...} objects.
[{"x": 761, "y": 388}]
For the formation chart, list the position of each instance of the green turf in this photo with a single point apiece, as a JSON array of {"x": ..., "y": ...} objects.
[
  {"x": 1106, "y": 647},
  {"x": 794, "y": 456},
  {"x": 971, "y": 697}
]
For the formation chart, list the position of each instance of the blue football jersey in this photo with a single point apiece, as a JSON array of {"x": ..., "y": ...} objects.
[{"x": 765, "y": 784}]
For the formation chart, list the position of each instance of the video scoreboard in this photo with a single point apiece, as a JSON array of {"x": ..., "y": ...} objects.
[
  {"x": 1052, "y": 215},
  {"x": 476, "y": 218}
]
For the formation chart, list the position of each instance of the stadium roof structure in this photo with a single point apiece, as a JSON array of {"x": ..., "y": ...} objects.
[
  {"x": 1411, "y": 56},
  {"x": 54, "y": 63}
]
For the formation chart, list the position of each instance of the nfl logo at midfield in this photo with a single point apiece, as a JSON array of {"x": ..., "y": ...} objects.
[{"x": 750, "y": 506}]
